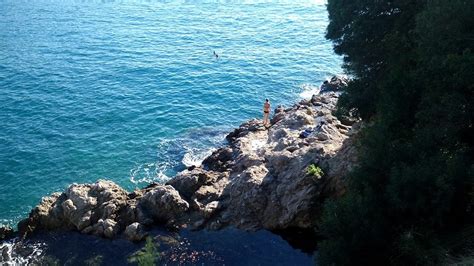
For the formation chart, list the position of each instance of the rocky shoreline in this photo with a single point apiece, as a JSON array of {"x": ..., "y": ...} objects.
[{"x": 260, "y": 180}]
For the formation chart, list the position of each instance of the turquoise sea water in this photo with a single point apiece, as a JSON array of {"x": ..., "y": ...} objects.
[{"x": 130, "y": 90}]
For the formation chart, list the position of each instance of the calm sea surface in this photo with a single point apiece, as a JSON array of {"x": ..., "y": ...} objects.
[{"x": 130, "y": 90}]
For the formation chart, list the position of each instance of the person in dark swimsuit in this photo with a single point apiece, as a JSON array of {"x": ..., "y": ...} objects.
[{"x": 266, "y": 113}]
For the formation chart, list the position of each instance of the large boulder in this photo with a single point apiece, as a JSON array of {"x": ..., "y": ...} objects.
[
  {"x": 82, "y": 207},
  {"x": 135, "y": 232},
  {"x": 163, "y": 204},
  {"x": 86, "y": 204}
]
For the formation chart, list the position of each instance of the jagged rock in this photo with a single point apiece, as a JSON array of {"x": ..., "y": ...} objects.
[
  {"x": 186, "y": 183},
  {"x": 208, "y": 193},
  {"x": 135, "y": 232},
  {"x": 110, "y": 228},
  {"x": 249, "y": 126},
  {"x": 6, "y": 232},
  {"x": 336, "y": 83},
  {"x": 348, "y": 121},
  {"x": 163, "y": 203},
  {"x": 210, "y": 208},
  {"x": 279, "y": 115},
  {"x": 5, "y": 254},
  {"x": 219, "y": 160},
  {"x": 80, "y": 208}
]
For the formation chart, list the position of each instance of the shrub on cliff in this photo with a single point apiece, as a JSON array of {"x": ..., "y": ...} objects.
[
  {"x": 148, "y": 256},
  {"x": 314, "y": 170},
  {"x": 412, "y": 193}
]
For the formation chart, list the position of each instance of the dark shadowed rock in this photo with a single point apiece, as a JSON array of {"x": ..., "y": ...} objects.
[
  {"x": 219, "y": 160},
  {"x": 335, "y": 84},
  {"x": 6, "y": 232}
]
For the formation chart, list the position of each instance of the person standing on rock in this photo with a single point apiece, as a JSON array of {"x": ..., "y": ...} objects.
[{"x": 266, "y": 113}]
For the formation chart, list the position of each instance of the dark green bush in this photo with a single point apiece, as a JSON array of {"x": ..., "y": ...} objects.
[{"x": 412, "y": 63}]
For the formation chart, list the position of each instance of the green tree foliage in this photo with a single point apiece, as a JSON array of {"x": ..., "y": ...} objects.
[
  {"x": 148, "y": 256},
  {"x": 412, "y": 64}
]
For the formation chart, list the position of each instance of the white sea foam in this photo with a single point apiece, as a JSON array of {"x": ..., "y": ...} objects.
[
  {"x": 174, "y": 154},
  {"x": 199, "y": 149},
  {"x": 195, "y": 156},
  {"x": 307, "y": 90},
  {"x": 30, "y": 252},
  {"x": 150, "y": 172}
]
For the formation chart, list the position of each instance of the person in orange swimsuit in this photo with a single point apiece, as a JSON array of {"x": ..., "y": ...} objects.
[{"x": 266, "y": 113}]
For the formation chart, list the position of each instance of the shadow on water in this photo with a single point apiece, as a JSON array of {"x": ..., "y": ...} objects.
[
  {"x": 229, "y": 247},
  {"x": 303, "y": 239}
]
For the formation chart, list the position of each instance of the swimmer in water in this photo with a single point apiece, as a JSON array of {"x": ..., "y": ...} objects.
[{"x": 216, "y": 55}]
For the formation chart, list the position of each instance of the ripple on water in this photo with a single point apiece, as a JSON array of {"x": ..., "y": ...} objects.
[{"x": 130, "y": 90}]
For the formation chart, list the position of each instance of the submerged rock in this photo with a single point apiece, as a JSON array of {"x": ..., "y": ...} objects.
[{"x": 260, "y": 180}]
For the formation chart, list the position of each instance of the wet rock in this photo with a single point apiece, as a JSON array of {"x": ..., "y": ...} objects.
[
  {"x": 219, "y": 160},
  {"x": 6, "y": 232},
  {"x": 5, "y": 254}
]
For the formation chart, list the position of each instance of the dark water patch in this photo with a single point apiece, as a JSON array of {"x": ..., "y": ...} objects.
[
  {"x": 302, "y": 239},
  {"x": 225, "y": 247}
]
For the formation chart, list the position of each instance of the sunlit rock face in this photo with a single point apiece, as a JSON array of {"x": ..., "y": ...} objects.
[{"x": 260, "y": 180}]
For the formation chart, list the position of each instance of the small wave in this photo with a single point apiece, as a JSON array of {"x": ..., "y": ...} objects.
[
  {"x": 199, "y": 149},
  {"x": 308, "y": 90},
  {"x": 149, "y": 173},
  {"x": 174, "y": 155},
  {"x": 195, "y": 156}
]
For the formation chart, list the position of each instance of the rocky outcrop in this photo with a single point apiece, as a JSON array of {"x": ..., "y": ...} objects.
[
  {"x": 163, "y": 204},
  {"x": 89, "y": 208},
  {"x": 259, "y": 180},
  {"x": 335, "y": 84}
]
